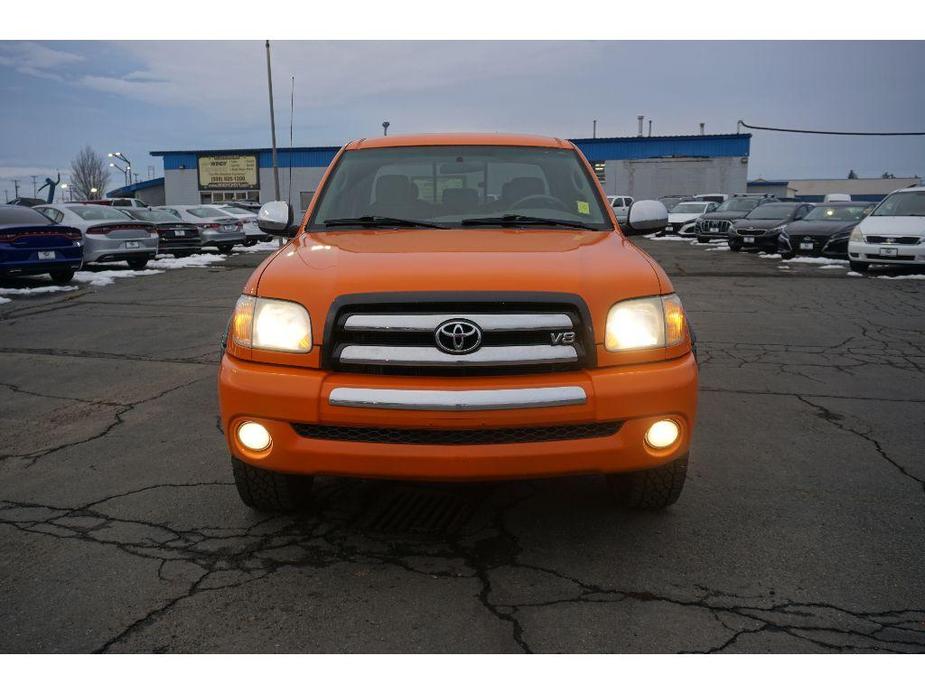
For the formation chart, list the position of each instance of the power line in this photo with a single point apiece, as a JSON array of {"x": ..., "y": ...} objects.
[{"x": 825, "y": 132}]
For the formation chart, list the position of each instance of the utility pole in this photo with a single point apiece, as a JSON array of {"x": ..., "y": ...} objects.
[
  {"x": 272, "y": 126},
  {"x": 34, "y": 192},
  {"x": 594, "y": 129},
  {"x": 16, "y": 187},
  {"x": 6, "y": 194}
]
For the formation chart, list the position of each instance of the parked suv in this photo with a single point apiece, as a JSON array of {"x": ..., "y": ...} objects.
[
  {"x": 715, "y": 225},
  {"x": 458, "y": 307},
  {"x": 893, "y": 234}
]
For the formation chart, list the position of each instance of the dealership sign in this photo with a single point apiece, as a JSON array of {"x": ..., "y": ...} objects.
[{"x": 228, "y": 171}]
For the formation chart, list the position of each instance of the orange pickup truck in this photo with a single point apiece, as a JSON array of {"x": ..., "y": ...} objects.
[{"x": 458, "y": 307}]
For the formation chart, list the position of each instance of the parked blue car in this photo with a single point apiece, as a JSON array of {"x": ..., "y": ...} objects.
[{"x": 30, "y": 244}]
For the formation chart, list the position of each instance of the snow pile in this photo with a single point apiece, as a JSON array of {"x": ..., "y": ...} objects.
[
  {"x": 831, "y": 267},
  {"x": 107, "y": 277},
  {"x": 262, "y": 247},
  {"x": 719, "y": 248},
  {"x": 809, "y": 260},
  {"x": 4, "y": 301},
  {"x": 198, "y": 260},
  {"x": 855, "y": 274},
  {"x": 900, "y": 277},
  {"x": 47, "y": 289}
]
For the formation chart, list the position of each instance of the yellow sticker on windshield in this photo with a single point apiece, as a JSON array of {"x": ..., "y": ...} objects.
[{"x": 583, "y": 207}]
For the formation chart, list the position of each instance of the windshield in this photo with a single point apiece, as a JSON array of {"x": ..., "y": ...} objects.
[
  {"x": 841, "y": 213},
  {"x": 738, "y": 205},
  {"x": 151, "y": 215},
  {"x": 206, "y": 212},
  {"x": 444, "y": 185},
  {"x": 902, "y": 205},
  {"x": 772, "y": 211},
  {"x": 94, "y": 212},
  {"x": 696, "y": 207},
  {"x": 231, "y": 209}
]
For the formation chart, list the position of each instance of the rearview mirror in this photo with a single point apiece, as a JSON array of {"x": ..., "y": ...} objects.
[
  {"x": 647, "y": 215},
  {"x": 276, "y": 218}
]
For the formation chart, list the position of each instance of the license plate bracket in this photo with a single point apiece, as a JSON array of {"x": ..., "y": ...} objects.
[
  {"x": 46, "y": 255},
  {"x": 806, "y": 245},
  {"x": 748, "y": 239},
  {"x": 889, "y": 252}
]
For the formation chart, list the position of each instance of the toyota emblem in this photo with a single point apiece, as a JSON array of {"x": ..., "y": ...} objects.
[{"x": 458, "y": 336}]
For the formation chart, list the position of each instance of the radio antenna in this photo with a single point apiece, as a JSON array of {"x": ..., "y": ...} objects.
[{"x": 291, "y": 112}]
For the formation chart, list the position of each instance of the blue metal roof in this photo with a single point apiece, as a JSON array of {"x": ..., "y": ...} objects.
[
  {"x": 127, "y": 191},
  {"x": 604, "y": 148},
  {"x": 595, "y": 149}
]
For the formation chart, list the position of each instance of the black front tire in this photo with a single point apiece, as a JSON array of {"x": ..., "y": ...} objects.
[
  {"x": 225, "y": 248},
  {"x": 266, "y": 490},
  {"x": 62, "y": 276},
  {"x": 651, "y": 489},
  {"x": 702, "y": 239},
  {"x": 787, "y": 256},
  {"x": 138, "y": 263},
  {"x": 735, "y": 246},
  {"x": 858, "y": 267}
]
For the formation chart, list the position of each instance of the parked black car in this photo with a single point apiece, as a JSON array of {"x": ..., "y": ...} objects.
[
  {"x": 27, "y": 202},
  {"x": 759, "y": 229},
  {"x": 173, "y": 236},
  {"x": 715, "y": 225},
  {"x": 824, "y": 231}
]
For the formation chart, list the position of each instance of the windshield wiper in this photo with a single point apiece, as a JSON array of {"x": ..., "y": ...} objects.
[
  {"x": 373, "y": 221},
  {"x": 523, "y": 220}
]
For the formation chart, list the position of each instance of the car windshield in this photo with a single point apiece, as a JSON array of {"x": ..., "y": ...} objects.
[
  {"x": 911, "y": 204},
  {"x": 151, "y": 215},
  {"x": 206, "y": 212},
  {"x": 685, "y": 207},
  {"x": 780, "y": 210},
  {"x": 445, "y": 186},
  {"x": 840, "y": 213},
  {"x": 16, "y": 214},
  {"x": 95, "y": 212},
  {"x": 737, "y": 205},
  {"x": 231, "y": 209}
]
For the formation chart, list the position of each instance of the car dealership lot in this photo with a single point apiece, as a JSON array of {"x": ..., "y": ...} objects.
[{"x": 802, "y": 527}]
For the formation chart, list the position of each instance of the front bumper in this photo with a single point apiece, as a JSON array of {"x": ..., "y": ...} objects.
[
  {"x": 835, "y": 247},
  {"x": 898, "y": 254},
  {"x": 280, "y": 397}
]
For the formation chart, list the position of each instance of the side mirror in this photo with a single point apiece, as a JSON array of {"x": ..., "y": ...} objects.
[
  {"x": 276, "y": 218},
  {"x": 647, "y": 215}
]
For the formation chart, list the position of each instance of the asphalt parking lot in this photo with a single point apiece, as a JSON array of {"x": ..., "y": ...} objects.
[{"x": 801, "y": 529}]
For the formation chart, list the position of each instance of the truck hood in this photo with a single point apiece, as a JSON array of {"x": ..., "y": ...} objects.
[
  {"x": 601, "y": 267},
  {"x": 893, "y": 226}
]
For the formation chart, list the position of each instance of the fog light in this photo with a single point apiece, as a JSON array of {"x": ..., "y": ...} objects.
[
  {"x": 663, "y": 433},
  {"x": 254, "y": 436}
]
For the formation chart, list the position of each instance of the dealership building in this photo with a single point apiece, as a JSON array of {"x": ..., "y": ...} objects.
[{"x": 643, "y": 167}]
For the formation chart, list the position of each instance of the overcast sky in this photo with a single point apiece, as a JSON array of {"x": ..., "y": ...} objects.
[{"x": 142, "y": 96}]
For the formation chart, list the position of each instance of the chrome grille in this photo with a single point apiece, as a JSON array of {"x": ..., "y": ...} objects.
[
  {"x": 713, "y": 226},
  {"x": 901, "y": 240},
  {"x": 523, "y": 333}
]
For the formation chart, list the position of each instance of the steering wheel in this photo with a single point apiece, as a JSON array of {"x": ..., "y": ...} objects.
[{"x": 530, "y": 200}]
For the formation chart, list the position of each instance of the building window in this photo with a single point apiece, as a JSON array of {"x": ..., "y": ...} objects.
[{"x": 600, "y": 170}]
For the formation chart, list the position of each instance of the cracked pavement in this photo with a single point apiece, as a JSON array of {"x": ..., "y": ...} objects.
[{"x": 801, "y": 528}]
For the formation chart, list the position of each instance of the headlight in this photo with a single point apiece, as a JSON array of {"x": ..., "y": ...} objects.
[
  {"x": 282, "y": 326},
  {"x": 856, "y": 235},
  {"x": 656, "y": 321},
  {"x": 778, "y": 229}
]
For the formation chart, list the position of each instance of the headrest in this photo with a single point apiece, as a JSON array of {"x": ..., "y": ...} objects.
[{"x": 393, "y": 188}]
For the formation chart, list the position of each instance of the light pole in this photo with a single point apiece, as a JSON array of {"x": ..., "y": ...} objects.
[
  {"x": 128, "y": 165},
  {"x": 66, "y": 190},
  {"x": 125, "y": 173},
  {"x": 93, "y": 192},
  {"x": 385, "y": 128}
]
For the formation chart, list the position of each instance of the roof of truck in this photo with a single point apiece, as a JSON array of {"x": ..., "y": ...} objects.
[{"x": 461, "y": 139}]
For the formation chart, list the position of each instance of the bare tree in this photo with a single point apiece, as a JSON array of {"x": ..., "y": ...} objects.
[{"x": 89, "y": 172}]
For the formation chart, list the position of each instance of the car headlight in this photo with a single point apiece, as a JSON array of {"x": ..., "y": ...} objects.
[
  {"x": 656, "y": 321},
  {"x": 779, "y": 229},
  {"x": 856, "y": 235},
  {"x": 281, "y": 326}
]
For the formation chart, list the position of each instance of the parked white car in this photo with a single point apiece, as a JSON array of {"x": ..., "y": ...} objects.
[
  {"x": 621, "y": 206},
  {"x": 108, "y": 234},
  {"x": 252, "y": 234},
  {"x": 682, "y": 216},
  {"x": 217, "y": 228},
  {"x": 893, "y": 234}
]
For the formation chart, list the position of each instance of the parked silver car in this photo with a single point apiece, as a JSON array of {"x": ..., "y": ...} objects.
[
  {"x": 108, "y": 235},
  {"x": 217, "y": 228},
  {"x": 248, "y": 218}
]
